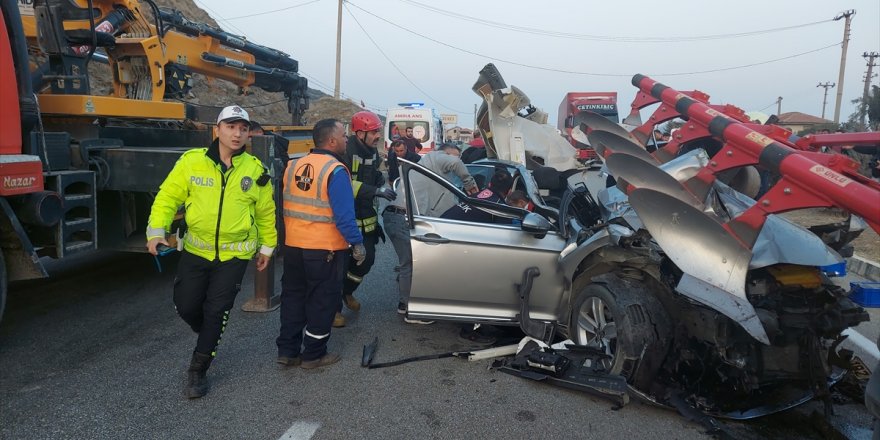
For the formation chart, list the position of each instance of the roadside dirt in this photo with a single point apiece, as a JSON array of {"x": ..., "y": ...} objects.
[
  {"x": 867, "y": 245},
  {"x": 327, "y": 107}
]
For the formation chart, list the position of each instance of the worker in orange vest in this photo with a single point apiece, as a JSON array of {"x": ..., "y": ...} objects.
[{"x": 320, "y": 228}]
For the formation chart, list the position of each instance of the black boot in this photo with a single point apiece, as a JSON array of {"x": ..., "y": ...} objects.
[{"x": 196, "y": 382}]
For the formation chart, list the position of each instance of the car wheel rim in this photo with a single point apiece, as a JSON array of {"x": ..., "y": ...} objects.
[{"x": 596, "y": 327}]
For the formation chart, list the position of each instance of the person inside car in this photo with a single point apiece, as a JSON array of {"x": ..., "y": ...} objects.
[
  {"x": 518, "y": 198},
  {"x": 498, "y": 189}
]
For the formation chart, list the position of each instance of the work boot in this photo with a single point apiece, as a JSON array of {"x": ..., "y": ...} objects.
[
  {"x": 323, "y": 361},
  {"x": 196, "y": 382},
  {"x": 339, "y": 320},
  {"x": 288, "y": 361},
  {"x": 351, "y": 302}
]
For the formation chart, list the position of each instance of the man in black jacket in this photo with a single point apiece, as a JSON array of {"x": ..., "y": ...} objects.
[
  {"x": 363, "y": 160},
  {"x": 398, "y": 149}
]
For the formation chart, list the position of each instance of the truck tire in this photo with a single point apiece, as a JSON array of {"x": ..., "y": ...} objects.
[
  {"x": 4, "y": 281},
  {"x": 621, "y": 316}
]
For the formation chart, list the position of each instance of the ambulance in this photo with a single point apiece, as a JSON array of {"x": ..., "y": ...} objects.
[{"x": 426, "y": 125}]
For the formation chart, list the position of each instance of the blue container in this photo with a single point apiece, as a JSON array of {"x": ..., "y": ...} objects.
[{"x": 865, "y": 293}]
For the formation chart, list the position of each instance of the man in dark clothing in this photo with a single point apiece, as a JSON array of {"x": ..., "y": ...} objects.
[
  {"x": 363, "y": 160},
  {"x": 319, "y": 217},
  {"x": 412, "y": 144},
  {"x": 498, "y": 188},
  {"x": 398, "y": 149}
]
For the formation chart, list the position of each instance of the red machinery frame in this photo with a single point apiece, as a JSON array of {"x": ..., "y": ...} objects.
[{"x": 809, "y": 179}]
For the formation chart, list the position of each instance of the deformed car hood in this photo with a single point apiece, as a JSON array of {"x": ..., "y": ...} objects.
[{"x": 511, "y": 136}]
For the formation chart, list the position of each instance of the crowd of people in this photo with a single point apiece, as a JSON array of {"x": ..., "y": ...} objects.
[{"x": 326, "y": 229}]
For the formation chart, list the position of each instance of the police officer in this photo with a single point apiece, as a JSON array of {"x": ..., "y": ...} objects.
[
  {"x": 363, "y": 159},
  {"x": 319, "y": 221},
  {"x": 230, "y": 217}
]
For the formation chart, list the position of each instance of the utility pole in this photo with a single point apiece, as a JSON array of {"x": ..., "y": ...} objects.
[
  {"x": 338, "y": 49},
  {"x": 870, "y": 57},
  {"x": 475, "y": 118},
  {"x": 778, "y": 106},
  {"x": 826, "y": 86},
  {"x": 847, "y": 15}
]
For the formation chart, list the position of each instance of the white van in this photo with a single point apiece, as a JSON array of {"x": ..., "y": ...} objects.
[{"x": 425, "y": 122}]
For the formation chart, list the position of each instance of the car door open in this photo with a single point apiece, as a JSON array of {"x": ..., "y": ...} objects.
[{"x": 467, "y": 271}]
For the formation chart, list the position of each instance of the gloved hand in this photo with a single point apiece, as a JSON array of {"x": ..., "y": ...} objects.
[
  {"x": 386, "y": 193},
  {"x": 359, "y": 253}
]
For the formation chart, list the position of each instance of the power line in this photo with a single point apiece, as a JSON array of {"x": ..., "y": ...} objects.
[
  {"x": 219, "y": 17},
  {"x": 548, "y": 69},
  {"x": 722, "y": 69},
  {"x": 395, "y": 65},
  {"x": 329, "y": 90},
  {"x": 768, "y": 106},
  {"x": 272, "y": 11},
  {"x": 607, "y": 38}
]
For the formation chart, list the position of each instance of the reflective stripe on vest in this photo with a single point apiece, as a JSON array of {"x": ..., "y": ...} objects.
[
  {"x": 368, "y": 224},
  {"x": 356, "y": 163},
  {"x": 307, "y": 213},
  {"x": 241, "y": 246},
  {"x": 318, "y": 202}
]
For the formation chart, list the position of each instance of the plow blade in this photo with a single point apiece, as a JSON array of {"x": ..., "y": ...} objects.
[
  {"x": 595, "y": 121},
  {"x": 715, "y": 262},
  {"x": 642, "y": 174},
  {"x": 606, "y": 143},
  {"x": 580, "y": 135}
]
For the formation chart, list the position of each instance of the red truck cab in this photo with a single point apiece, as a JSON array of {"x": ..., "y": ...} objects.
[{"x": 603, "y": 103}]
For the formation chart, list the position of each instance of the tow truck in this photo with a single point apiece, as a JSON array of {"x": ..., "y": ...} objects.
[{"x": 79, "y": 170}]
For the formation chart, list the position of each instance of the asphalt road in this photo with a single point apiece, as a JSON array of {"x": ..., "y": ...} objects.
[{"x": 97, "y": 351}]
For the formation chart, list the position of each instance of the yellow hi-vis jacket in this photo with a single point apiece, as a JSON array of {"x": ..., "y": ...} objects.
[{"x": 228, "y": 214}]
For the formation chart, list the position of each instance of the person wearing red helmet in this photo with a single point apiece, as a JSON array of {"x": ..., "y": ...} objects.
[{"x": 363, "y": 160}]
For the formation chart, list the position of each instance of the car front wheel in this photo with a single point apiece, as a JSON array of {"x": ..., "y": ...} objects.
[{"x": 622, "y": 318}]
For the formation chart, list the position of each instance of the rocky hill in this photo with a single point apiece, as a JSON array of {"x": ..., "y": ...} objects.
[{"x": 260, "y": 104}]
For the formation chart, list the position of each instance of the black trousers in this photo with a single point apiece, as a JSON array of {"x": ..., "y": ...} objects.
[
  {"x": 311, "y": 291},
  {"x": 355, "y": 274},
  {"x": 204, "y": 293}
]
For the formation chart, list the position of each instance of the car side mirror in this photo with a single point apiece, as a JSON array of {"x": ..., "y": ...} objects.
[{"x": 536, "y": 224}]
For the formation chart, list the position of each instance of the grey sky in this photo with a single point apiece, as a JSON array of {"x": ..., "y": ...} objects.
[{"x": 308, "y": 34}]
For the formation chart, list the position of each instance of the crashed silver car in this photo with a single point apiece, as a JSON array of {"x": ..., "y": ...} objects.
[{"x": 590, "y": 268}]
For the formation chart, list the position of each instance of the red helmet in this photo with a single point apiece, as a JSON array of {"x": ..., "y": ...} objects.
[{"x": 365, "y": 121}]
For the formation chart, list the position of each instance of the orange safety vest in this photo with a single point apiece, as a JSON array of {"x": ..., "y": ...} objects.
[{"x": 308, "y": 217}]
